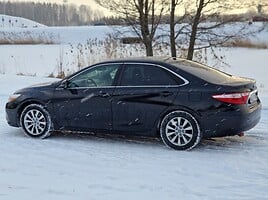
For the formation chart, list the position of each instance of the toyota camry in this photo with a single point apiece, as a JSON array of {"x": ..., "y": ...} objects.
[{"x": 177, "y": 100}]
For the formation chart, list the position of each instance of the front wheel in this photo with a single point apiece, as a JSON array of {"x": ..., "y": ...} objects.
[
  {"x": 36, "y": 121},
  {"x": 180, "y": 130}
]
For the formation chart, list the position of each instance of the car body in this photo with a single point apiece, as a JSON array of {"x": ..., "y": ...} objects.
[{"x": 182, "y": 101}]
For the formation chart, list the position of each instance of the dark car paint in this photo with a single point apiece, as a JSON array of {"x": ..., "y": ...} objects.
[
  {"x": 82, "y": 108},
  {"x": 140, "y": 110}
]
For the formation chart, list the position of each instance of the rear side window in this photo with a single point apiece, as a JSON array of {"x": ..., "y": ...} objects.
[
  {"x": 146, "y": 75},
  {"x": 202, "y": 71}
]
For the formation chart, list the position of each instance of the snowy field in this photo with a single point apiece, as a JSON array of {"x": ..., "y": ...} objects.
[
  {"x": 88, "y": 167},
  {"x": 17, "y": 22}
]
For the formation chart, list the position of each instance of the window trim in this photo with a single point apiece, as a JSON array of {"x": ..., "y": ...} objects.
[
  {"x": 90, "y": 68},
  {"x": 120, "y": 70},
  {"x": 156, "y": 65}
]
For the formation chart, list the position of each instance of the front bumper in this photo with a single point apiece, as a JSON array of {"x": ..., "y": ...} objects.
[{"x": 12, "y": 114}]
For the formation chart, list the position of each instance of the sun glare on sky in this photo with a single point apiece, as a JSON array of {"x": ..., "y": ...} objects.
[{"x": 106, "y": 12}]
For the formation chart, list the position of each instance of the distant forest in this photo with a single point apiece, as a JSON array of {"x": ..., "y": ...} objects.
[{"x": 52, "y": 14}]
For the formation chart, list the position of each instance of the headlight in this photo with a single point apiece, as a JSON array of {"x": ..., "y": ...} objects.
[{"x": 13, "y": 97}]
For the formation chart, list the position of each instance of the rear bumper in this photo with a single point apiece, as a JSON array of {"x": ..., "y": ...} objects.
[{"x": 238, "y": 119}]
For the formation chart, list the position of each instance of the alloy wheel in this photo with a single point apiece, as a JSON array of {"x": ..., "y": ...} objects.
[
  {"x": 179, "y": 131},
  {"x": 35, "y": 122}
]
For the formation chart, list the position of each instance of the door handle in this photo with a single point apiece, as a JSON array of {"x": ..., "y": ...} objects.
[
  {"x": 104, "y": 94},
  {"x": 166, "y": 93}
]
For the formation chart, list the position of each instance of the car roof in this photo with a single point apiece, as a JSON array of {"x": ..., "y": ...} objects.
[
  {"x": 196, "y": 69},
  {"x": 149, "y": 59}
]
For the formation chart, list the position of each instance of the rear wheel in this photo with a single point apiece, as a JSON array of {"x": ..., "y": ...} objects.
[
  {"x": 180, "y": 130},
  {"x": 36, "y": 121}
]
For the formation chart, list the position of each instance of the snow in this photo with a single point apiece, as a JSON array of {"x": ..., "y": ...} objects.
[
  {"x": 75, "y": 167},
  {"x": 63, "y": 35},
  {"x": 79, "y": 166},
  {"x": 7, "y": 21}
]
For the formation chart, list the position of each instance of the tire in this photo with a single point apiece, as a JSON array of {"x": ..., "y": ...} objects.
[
  {"x": 179, "y": 130},
  {"x": 36, "y": 121}
]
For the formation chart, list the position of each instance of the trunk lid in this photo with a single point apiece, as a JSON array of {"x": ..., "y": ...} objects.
[{"x": 239, "y": 85}]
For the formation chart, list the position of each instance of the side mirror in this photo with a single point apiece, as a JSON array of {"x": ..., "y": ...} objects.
[{"x": 64, "y": 84}]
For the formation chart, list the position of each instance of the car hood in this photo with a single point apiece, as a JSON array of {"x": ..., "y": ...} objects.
[
  {"x": 38, "y": 87},
  {"x": 47, "y": 84}
]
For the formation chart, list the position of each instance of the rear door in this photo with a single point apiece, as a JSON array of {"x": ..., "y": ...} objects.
[{"x": 143, "y": 93}]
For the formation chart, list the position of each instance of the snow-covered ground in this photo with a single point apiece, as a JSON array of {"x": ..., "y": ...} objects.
[
  {"x": 7, "y": 21},
  {"x": 99, "y": 167}
]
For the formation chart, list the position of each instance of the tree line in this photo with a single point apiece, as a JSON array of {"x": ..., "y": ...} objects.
[{"x": 51, "y": 14}]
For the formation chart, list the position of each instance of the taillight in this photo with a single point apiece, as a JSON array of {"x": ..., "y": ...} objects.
[{"x": 233, "y": 98}]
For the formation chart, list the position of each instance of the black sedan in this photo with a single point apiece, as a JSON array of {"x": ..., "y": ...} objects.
[{"x": 178, "y": 100}]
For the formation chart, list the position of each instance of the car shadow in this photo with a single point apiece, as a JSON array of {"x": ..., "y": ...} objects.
[
  {"x": 104, "y": 137},
  {"x": 234, "y": 142},
  {"x": 231, "y": 142}
]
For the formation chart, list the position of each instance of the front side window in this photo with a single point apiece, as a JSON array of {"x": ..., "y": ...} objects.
[
  {"x": 146, "y": 75},
  {"x": 95, "y": 77}
]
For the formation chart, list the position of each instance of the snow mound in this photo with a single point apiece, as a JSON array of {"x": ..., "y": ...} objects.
[
  {"x": 7, "y": 21},
  {"x": 17, "y": 30}
]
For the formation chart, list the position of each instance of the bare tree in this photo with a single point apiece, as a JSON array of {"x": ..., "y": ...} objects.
[
  {"x": 143, "y": 16},
  {"x": 175, "y": 20},
  {"x": 172, "y": 25},
  {"x": 195, "y": 23},
  {"x": 209, "y": 11}
]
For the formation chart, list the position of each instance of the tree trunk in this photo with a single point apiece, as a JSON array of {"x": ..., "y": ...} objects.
[
  {"x": 147, "y": 14},
  {"x": 149, "y": 48},
  {"x": 172, "y": 29},
  {"x": 194, "y": 30},
  {"x": 145, "y": 31}
]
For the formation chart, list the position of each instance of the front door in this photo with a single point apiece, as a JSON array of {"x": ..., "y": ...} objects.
[{"x": 85, "y": 104}]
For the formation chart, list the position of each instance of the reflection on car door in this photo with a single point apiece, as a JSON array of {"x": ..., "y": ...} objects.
[
  {"x": 144, "y": 92},
  {"x": 86, "y": 102}
]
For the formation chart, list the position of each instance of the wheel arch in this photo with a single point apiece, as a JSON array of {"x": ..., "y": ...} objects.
[{"x": 25, "y": 104}]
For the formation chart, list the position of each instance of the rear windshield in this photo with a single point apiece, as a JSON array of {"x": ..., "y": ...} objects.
[{"x": 202, "y": 71}]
